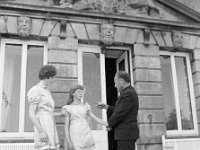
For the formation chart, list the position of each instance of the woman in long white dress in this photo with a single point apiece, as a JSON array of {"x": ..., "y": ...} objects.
[
  {"x": 77, "y": 129},
  {"x": 41, "y": 111}
]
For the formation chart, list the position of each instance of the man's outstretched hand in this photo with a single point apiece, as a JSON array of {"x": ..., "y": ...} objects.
[{"x": 101, "y": 105}]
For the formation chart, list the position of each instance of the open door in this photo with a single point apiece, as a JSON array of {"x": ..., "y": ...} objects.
[
  {"x": 122, "y": 62},
  {"x": 91, "y": 74},
  {"x": 117, "y": 59}
]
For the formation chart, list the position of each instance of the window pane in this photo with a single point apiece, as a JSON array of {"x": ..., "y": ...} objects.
[
  {"x": 122, "y": 65},
  {"x": 184, "y": 94},
  {"x": 34, "y": 63},
  {"x": 168, "y": 93},
  {"x": 11, "y": 88},
  {"x": 92, "y": 83}
]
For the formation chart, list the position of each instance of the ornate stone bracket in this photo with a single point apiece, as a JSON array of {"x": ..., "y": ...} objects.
[
  {"x": 63, "y": 31},
  {"x": 177, "y": 39},
  {"x": 146, "y": 34},
  {"x": 24, "y": 26},
  {"x": 107, "y": 31}
]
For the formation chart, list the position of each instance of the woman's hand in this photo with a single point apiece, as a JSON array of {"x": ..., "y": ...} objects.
[
  {"x": 108, "y": 128},
  {"x": 69, "y": 146},
  {"x": 105, "y": 123},
  {"x": 43, "y": 136}
]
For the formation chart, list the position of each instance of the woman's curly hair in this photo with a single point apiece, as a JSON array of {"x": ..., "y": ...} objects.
[{"x": 47, "y": 71}]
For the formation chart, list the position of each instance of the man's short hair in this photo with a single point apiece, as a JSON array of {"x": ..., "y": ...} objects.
[{"x": 124, "y": 75}]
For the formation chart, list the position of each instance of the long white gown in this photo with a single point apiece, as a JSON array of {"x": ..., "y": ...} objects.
[
  {"x": 40, "y": 95},
  {"x": 79, "y": 129}
]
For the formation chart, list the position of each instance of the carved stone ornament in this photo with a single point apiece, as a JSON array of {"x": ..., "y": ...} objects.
[
  {"x": 109, "y": 6},
  {"x": 24, "y": 26},
  {"x": 107, "y": 32},
  {"x": 65, "y": 4},
  {"x": 177, "y": 39},
  {"x": 146, "y": 8}
]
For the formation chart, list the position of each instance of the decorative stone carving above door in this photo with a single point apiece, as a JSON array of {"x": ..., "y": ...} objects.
[
  {"x": 177, "y": 38},
  {"x": 125, "y": 7},
  {"x": 142, "y": 8},
  {"x": 107, "y": 31},
  {"x": 24, "y": 26}
]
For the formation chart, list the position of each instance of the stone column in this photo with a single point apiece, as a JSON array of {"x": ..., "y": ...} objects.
[
  {"x": 196, "y": 81},
  {"x": 148, "y": 84},
  {"x": 62, "y": 53}
]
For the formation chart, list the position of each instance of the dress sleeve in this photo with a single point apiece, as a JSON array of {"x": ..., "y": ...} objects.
[
  {"x": 34, "y": 95},
  {"x": 66, "y": 109}
]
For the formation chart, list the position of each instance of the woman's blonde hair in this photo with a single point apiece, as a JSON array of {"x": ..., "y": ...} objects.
[{"x": 71, "y": 92}]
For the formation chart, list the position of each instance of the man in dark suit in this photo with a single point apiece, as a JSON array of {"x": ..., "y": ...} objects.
[{"x": 124, "y": 114}]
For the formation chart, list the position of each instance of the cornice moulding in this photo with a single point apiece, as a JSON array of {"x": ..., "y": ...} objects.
[{"x": 68, "y": 14}]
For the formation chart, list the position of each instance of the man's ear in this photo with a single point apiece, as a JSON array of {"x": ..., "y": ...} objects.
[{"x": 122, "y": 80}]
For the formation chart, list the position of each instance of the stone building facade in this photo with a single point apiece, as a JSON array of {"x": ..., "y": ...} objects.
[{"x": 157, "y": 44}]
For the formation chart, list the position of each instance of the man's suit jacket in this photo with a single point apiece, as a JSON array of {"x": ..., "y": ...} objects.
[{"x": 124, "y": 115}]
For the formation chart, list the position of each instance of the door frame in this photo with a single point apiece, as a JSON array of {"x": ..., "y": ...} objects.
[
  {"x": 93, "y": 49},
  {"x": 97, "y": 49},
  {"x": 100, "y": 136},
  {"x": 124, "y": 57},
  {"x": 128, "y": 61}
]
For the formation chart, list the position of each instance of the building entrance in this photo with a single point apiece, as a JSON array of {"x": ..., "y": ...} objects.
[{"x": 114, "y": 61}]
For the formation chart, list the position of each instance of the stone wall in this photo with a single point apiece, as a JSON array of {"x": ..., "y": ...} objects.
[
  {"x": 62, "y": 53},
  {"x": 196, "y": 81},
  {"x": 147, "y": 81}
]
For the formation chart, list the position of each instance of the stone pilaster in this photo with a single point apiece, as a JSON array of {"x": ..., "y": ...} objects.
[
  {"x": 62, "y": 53},
  {"x": 196, "y": 81},
  {"x": 148, "y": 83}
]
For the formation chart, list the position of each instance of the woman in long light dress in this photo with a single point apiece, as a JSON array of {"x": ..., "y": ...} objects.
[
  {"x": 77, "y": 128},
  {"x": 41, "y": 111}
]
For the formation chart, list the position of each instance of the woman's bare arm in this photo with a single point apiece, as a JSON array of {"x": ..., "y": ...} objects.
[
  {"x": 67, "y": 133},
  {"x": 59, "y": 114},
  {"x": 96, "y": 119},
  {"x": 32, "y": 115}
]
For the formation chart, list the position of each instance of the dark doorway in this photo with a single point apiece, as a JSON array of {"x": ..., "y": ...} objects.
[{"x": 111, "y": 92}]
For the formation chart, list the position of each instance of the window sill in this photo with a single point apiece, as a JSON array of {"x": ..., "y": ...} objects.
[
  {"x": 182, "y": 134},
  {"x": 16, "y": 136},
  {"x": 16, "y": 140}
]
